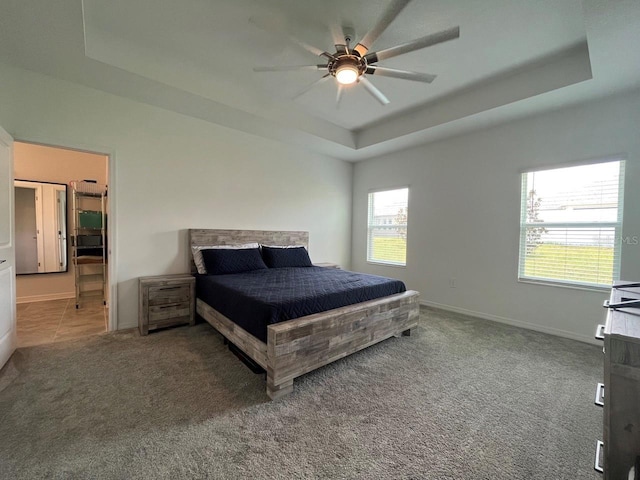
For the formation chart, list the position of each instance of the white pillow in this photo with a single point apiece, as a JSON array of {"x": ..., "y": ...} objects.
[
  {"x": 283, "y": 246},
  {"x": 196, "y": 251}
]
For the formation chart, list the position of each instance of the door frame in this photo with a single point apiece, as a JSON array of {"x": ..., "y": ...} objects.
[
  {"x": 11, "y": 337},
  {"x": 113, "y": 207}
]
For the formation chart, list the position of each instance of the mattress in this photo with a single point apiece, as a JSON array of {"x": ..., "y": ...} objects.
[{"x": 259, "y": 298}]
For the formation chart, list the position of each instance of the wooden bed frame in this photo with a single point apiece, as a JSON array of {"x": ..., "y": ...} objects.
[{"x": 298, "y": 346}]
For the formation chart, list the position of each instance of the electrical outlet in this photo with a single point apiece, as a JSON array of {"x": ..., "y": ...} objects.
[{"x": 452, "y": 283}]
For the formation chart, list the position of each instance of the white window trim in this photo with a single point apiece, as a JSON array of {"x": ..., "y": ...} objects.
[
  {"x": 380, "y": 262},
  {"x": 617, "y": 225},
  {"x": 559, "y": 284},
  {"x": 386, "y": 264},
  {"x": 619, "y": 157}
]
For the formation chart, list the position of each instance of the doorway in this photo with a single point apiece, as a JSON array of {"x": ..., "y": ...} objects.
[{"x": 50, "y": 290}]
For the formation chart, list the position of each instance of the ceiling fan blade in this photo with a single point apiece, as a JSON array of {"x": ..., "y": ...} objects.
[
  {"x": 377, "y": 94},
  {"x": 338, "y": 37},
  {"x": 339, "y": 94},
  {"x": 267, "y": 27},
  {"x": 287, "y": 68},
  {"x": 309, "y": 87},
  {"x": 429, "y": 40},
  {"x": 392, "y": 11},
  {"x": 404, "y": 74}
]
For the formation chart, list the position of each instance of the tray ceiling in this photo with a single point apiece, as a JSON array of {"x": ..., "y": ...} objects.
[{"x": 197, "y": 57}]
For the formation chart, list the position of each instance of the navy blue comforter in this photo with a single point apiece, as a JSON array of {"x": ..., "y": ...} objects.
[{"x": 259, "y": 298}]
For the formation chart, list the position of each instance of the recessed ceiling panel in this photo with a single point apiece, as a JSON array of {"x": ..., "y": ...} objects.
[
  {"x": 210, "y": 48},
  {"x": 195, "y": 57}
]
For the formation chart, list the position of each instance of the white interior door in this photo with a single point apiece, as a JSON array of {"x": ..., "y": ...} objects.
[{"x": 7, "y": 251}]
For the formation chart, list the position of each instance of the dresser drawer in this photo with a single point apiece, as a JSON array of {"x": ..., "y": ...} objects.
[{"x": 165, "y": 294}]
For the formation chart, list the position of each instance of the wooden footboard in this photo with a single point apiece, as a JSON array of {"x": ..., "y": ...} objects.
[{"x": 298, "y": 346}]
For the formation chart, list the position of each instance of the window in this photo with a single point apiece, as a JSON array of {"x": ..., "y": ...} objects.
[
  {"x": 387, "y": 227},
  {"x": 570, "y": 224}
]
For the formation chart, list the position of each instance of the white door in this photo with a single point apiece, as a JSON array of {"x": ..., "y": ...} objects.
[{"x": 7, "y": 251}]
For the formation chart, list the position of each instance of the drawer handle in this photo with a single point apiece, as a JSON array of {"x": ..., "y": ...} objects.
[
  {"x": 600, "y": 332},
  {"x": 170, "y": 305},
  {"x": 169, "y": 288},
  {"x": 599, "y": 395},
  {"x": 633, "y": 303},
  {"x": 596, "y": 465}
]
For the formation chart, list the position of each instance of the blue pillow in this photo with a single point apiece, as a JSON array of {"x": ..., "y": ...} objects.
[
  {"x": 286, "y": 257},
  {"x": 222, "y": 261}
]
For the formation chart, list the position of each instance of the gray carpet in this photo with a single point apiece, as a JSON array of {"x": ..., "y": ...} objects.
[{"x": 461, "y": 398}]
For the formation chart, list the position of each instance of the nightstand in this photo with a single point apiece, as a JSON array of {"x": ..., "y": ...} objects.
[
  {"x": 327, "y": 265},
  {"x": 165, "y": 301}
]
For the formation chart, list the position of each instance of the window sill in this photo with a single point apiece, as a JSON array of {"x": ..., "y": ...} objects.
[
  {"x": 570, "y": 286},
  {"x": 383, "y": 264}
]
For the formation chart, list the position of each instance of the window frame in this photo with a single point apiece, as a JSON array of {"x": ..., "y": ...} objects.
[
  {"x": 370, "y": 227},
  {"x": 617, "y": 226}
]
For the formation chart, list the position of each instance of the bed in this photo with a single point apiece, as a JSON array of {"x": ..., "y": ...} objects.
[{"x": 291, "y": 348}]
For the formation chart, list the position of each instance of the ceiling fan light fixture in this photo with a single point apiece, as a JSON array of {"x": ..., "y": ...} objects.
[
  {"x": 347, "y": 74},
  {"x": 350, "y": 65}
]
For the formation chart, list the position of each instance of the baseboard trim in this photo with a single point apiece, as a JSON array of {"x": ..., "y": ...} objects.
[
  {"x": 44, "y": 298},
  {"x": 126, "y": 327},
  {"x": 516, "y": 323}
]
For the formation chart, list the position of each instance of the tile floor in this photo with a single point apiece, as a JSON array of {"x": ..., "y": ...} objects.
[{"x": 58, "y": 320}]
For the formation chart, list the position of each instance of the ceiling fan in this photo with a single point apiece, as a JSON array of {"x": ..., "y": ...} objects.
[{"x": 352, "y": 65}]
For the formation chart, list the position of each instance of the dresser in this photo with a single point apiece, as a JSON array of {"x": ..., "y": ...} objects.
[
  {"x": 165, "y": 301},
  {"x": 618, "y": 453}
]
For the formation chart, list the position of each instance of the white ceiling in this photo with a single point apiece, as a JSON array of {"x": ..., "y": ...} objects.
[{"x": 513, "y": 58}]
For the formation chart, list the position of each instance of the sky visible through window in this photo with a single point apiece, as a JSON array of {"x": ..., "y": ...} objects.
[
  {"x": 390, "y": 201},
  {"x": 577, "y": 193}
]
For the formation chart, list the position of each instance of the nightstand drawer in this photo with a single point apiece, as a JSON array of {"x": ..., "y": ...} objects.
[
  {"x": 170, "y": 310},
  {"x": 162, "y": 295}
]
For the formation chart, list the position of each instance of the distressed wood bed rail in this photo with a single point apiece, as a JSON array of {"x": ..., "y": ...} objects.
[{"x": 298, "y": 346}]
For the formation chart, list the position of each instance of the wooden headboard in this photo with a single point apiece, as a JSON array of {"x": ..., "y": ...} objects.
[{"x": 236, "y": 237}]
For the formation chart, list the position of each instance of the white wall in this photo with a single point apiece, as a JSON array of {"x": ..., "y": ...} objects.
[
  {"x": 464, "y": 212},
  {"x": 174, "y": 172}
]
